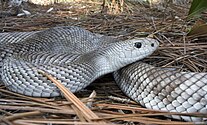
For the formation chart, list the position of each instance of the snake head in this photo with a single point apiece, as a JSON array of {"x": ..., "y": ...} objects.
[
  {"x": 129, "y": 51},
  {"x": 116, "y": 55},
  {"x": 138, "y": 48}
]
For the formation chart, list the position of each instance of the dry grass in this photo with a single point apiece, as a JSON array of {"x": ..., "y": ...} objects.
[{"x": 109, "y": 105}]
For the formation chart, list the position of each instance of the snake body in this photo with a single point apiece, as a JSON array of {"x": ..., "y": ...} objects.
[
  {"x": 76, "y": 57},
  {"x": 72, "y": 55},
  {"x": 163, "y": 89}
]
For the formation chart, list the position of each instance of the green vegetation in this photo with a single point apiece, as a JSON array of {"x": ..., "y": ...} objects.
[{"x": 197, "y": 7}]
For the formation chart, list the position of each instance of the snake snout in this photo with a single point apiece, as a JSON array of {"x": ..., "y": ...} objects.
[{"x": 152, "y": 42}]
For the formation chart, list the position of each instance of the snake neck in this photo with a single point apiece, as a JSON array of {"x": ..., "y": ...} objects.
[{"x": 102, "y": 64}]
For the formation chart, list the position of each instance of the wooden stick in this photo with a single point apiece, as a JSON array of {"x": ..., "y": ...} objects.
[
  {"x": 88, "y": 114},
  {"x": 20, "y": 115}
]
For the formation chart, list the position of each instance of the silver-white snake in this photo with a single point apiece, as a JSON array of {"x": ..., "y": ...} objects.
[{"x": 76, "y": 57}]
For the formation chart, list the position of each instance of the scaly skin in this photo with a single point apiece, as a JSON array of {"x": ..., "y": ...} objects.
[
  {"x": 77, "y": 57},
  {"x": 163, "y": 89},
  {"x": 50, "y": 50}
]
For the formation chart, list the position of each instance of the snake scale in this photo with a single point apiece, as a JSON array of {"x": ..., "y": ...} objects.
[{"x": 76, "y": 57}]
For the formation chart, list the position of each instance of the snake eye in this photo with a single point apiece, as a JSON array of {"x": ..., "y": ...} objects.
[
  {"x": 138, "y": 45},
  {"x": 152, "y": 44}
]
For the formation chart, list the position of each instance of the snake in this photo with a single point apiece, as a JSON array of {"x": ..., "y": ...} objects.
[{"x": 76, "y": 57}]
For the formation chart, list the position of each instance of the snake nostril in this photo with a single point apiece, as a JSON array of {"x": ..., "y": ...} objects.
[
  {"x": 138, "y": 45},
  {"x": 152, "y": 44}
]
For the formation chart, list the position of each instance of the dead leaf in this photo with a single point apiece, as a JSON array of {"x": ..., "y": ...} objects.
[{"x": 198, "y": 30}]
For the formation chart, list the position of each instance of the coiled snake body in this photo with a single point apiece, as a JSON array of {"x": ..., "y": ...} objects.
[{"x": 76, "y": 57}]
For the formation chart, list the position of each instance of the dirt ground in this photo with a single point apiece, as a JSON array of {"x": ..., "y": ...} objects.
[{"x": 170, "y": 26}]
